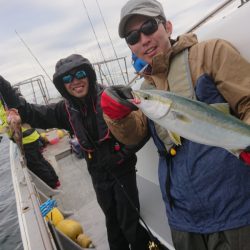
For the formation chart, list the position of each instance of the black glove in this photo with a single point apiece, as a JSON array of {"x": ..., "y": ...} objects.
[{"x": 114, "y": 102}]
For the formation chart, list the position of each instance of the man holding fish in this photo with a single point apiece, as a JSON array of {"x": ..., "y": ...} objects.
[{"x": 206, "y": 189}]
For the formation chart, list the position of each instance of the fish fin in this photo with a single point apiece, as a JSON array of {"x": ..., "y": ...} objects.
[
  {"x": 235, "y": 152},
  {"x": 175, "y": 138},
  {"x": 223, "y": 107}
]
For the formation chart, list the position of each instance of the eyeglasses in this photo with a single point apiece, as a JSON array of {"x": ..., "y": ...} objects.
[
  {"x": 80, "y": 74},
  {"x": 147, "y": 28}
]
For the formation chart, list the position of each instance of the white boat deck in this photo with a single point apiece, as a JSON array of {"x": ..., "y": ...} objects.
[
  {"x": 78, "y": 195},
  {"x": 77, "y": 200}
]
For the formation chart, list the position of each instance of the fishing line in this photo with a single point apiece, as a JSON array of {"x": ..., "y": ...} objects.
[
  {"x": 27, "y": 47},
  {"x": 152, "y": 237},
  {"x": 97, "y": 39},
  {"x": 110, "y": 40}
]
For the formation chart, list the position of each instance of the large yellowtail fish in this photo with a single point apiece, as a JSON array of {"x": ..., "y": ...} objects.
[{"x": 206, "y": 124}]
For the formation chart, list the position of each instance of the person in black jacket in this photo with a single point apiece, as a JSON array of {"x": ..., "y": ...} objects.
[{"x": 110, "y": 163}]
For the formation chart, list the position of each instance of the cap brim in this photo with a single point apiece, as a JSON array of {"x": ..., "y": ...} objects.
[{"x": 122, "y": 24}]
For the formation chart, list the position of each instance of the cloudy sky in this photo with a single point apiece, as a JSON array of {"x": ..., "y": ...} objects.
[{"x": 52, "y": 29}]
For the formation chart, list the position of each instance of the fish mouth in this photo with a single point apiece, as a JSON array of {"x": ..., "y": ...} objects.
[{"x": 136, "y": 98}]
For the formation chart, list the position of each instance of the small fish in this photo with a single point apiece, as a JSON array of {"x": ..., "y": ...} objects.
[
  {"x": 15, "y": 128},
  {"x": 196, "y": 121}
]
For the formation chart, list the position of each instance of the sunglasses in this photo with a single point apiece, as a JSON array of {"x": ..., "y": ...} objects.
[
  {"x": 147, "y": 28},
  {"x": 80, "y": 74}
]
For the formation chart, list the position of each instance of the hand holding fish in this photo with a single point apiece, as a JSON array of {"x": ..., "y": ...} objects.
[
  {"x": 114, "y": 102},
  {"x": 13, "y": 120},
  {"x": 15, "y": 127},
  {"x": 196, "y": 121},
  {"x": 182, "y": 117}
]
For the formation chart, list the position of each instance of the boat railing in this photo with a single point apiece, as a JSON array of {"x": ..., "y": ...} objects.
[
  {"x": 109, "y": 73},
  {"x": 34, "y": 89}
]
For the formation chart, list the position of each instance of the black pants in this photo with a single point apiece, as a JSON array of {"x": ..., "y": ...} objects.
[
  {"x": 122, "y": 221},
  {"x": 39, "y": 165},
  {"x": 235, "y": 239}
]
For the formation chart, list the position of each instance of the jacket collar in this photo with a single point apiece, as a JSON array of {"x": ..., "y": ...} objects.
[{"x": 161, "y": 61}]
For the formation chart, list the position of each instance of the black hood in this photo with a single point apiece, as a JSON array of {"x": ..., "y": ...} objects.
[{"x": 65, "y": 65}]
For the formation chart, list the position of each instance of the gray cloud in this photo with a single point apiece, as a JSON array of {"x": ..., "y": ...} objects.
[{"x": 55, "y": 29}]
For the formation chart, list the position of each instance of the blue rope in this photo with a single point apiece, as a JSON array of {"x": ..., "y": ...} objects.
[{"x": 47, "y": 206}]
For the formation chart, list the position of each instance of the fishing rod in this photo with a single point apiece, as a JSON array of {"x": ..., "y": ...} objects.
[
  {"x": 137, "y": 75},
  {"x": 28, "y": 48},
  {"x": 111, "y": 42},
  {"x": 154, "y": 243},
  {"x": 96, "y": 39}
]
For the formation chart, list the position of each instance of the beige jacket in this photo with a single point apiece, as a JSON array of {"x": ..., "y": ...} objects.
[{"x": 217, "y": 58}]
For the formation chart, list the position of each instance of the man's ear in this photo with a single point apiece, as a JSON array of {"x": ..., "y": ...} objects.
[{"x": 169, "y": 28}]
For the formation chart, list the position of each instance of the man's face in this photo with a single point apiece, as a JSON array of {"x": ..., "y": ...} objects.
[
  {"x": 79, "y": 85},
  {"x": 149, "y": 45}
]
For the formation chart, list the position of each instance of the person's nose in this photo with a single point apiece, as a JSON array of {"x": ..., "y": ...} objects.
[
  {"x": 75, "y": 80},
  {"x": 145, "y": 39}
]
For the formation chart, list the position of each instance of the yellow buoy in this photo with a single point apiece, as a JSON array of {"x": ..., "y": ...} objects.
[
  {"x": 44, "y": 136},
  {"x": 60, "y": 133},
  {"x": 71, "y": 228},
  {"x": 54, "y": 216},
  {"x": 84, "y": 241}
]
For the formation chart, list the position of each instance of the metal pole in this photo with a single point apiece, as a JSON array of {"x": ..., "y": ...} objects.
[{"x": 210, "y": 15}]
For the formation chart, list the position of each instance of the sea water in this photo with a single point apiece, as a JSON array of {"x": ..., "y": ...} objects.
[{"x": 10, "y": 237}]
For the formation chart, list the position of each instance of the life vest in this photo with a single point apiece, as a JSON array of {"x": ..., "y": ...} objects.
[
  {"x": 205, "y": 189},
  {"x": 3, "y": 119},
  {"x": 29, "y": 135},
  {"x": 179, "y": 80},
  {"x": 87, "y": 143},
  {"x": 100, "y": 151}
]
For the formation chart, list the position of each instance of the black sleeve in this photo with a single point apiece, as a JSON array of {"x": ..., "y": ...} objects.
[
  {"x": 38, "y": 116},
  {"x": 45, "y": 116},
  {"x": 8, "y": 94}
]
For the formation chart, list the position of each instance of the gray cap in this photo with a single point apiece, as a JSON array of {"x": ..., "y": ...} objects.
[{"x": 150, "y": 8}]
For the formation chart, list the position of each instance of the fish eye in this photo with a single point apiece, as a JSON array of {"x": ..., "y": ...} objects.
[{"x": 146, "y": 97}]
